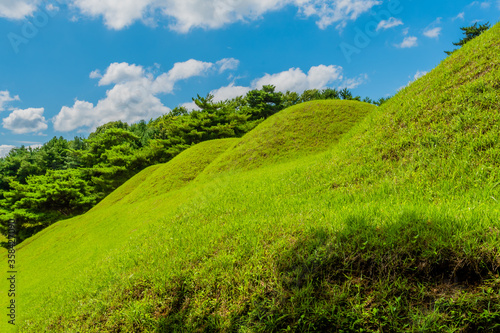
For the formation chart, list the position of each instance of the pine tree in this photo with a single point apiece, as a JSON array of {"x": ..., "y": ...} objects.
[{"x": 470, "y": 33}]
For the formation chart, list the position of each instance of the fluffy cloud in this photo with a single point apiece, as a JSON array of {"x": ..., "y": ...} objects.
[
  {"x": 188, "y": 14},
  {"x": 184, "y": 15},
  {"x": 26, "y": 121},
  {"x": 119, "y": 73},
  {"x": 127, "y": 102},
  {"x": 133, "y": 96},
  {"x": 228, "y": 92},
  {"x": 224, "y": 93},
  {"x": 228, "y": 64},
  {"x": 296, "y": 80},
  {"x": 117, "y": 14},
  {"x": 5, "y": 98},
  {"x": 181, "y": 71},
  {"x": 390, "y": 23},
  {"x": 353, "y": 83},
  {"x": 5, "y": 149},
  {"x": 432, "y": 32},
  {"x": 17, "y": 9},
  {"x": 408, "y": 42},
  {"x": 190, "y": 106},
  {"x": 335, "y": 11},
  {"x": 81, "y": 114}
]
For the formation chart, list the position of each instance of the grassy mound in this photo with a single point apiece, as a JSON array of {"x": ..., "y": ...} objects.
[
  {"x": 72, "y": 247},
  {"x": 396, "y": 228},
  {"x": 127, "y": 188},
  {"x": 173, "y": 175},
  {"x": 440, "y": 133},
  {"x": 303, "y": 129}
]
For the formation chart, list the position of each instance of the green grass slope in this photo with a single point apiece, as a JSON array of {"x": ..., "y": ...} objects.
[
  {"x": 440, "y": 133},
  {"x": 300, "y": 130},
  {"x": 127, "y": 188},
  {"x": 396, "y": 228},
  {"x": 159, "y": 179},
  {"x": 52, "y": 254}
]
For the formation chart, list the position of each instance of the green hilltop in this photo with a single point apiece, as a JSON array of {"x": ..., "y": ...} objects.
[
  {"x": 329, "y": 216},
  {"x": 300, "y": 130}
]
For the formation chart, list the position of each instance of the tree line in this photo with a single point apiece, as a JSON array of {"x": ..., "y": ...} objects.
[{"x": 65, "y": 178}]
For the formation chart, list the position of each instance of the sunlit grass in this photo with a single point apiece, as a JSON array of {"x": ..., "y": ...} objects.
[{"x": 389, "y": 224}]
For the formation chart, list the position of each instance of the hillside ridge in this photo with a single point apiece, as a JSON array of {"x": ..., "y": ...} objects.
[
  {"x": 391, "y": 225},
  {"x": 300, "y": 130}
]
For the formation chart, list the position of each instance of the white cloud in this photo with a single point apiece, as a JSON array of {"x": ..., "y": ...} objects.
[
  {"x": 335, "y": 11},
  {"x": 354, "y": 82},
  {"x": 5, "y": 98},
  {"x": 229, "y": 92},
  {"x": 52, "y": 8},
  {"x": 81, "y": 114},
  {"x": 181, "y": 71},
  {"x": 184, "y": 15},
  {"x": 419, "y": 74},
  {"x": 187, "y": 69},
  {"x": 119, "y": 73},
  {"x": 408, "y": 42},
  {"x": 95, "y": 74},
  {"x": 26, "y": 121},
  {"x": 5, "y": 149},
  {"x": 117, "y": 14},
  {"x": 483, "y": 4},
  {"x": 129, "y": 102},
  {"x": 17, "y": 9},
  {"x": 188, "y": 14},
  {"x": 227, "y": 64},
  {"x": 320, "y": 76},
  {"x": 390, "y": 23},
  {"x": 191, "y": 106},
  {"x": 133, "y": 96},
  {"x": 295, "y": 79},
  {"x": 461, "y": 15},
  {"x": 432, "y": 32}
]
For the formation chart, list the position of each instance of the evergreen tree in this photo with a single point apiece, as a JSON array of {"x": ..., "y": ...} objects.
[{"x": 470, "y": 33}]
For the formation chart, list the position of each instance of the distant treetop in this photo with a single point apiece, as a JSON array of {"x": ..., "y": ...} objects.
[{"x": 470, "y": 33}]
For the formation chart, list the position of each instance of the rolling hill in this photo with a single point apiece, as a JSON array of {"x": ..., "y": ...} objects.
[
  {"x": 300, "y": 130},
  {"x": 364, "y": 219}
]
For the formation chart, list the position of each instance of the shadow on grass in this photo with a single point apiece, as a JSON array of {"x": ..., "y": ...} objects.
[{"x": 416, "y": 274}]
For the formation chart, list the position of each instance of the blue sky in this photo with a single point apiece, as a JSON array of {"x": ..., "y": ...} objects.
[{"x": 67, "y": 66}]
